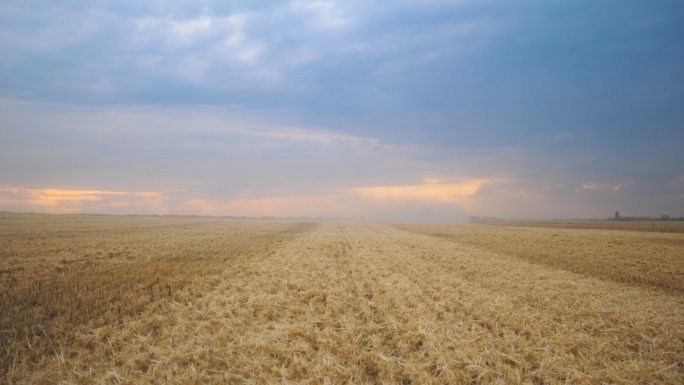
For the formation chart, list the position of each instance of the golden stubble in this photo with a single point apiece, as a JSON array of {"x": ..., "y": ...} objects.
[
  {"x": 345, "y": 303},
  {"x": 60, "y": 273},
  {"x": 645, "y": 258}
]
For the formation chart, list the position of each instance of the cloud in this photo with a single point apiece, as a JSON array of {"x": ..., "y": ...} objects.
[
  {"x": 187, "y": 30},
  {"x": 432, "y": 190},
  {"x": 339, "y": 204},
  {"x": 54, "y": 200},
  {"x": 309, "y": 135},
  {"x": 238, "y": 161},
  {"x": 241, "y": 48},
  {"x": 205, "y": 33},
  {"x": 600, "y": 187},
  {"x": 326, "y": 14},
  {"x": 429, "y": 202}
]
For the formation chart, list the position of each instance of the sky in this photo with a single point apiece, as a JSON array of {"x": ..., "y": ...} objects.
[{"x": 404, "y": 111}]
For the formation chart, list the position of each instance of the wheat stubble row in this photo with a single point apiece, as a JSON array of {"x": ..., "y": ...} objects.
[
  {"x": 63, "y": 276},
  {"x": 344, "y": 303}
]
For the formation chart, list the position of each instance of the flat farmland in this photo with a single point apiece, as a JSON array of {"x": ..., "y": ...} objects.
[
  {"x": 105, "y": 299},
  {"x": 628, "y": 225},
  {"x": 638, "y": 257}
]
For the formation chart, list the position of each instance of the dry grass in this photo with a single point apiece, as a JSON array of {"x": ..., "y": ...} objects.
[
  {"x": 366, "y": 304},
  {"x": 638, "y": 258},
  {"x": 60, "y": 272}
]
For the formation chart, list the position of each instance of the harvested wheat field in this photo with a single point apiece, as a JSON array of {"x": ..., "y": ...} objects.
[{"x": 100, "y": 299}]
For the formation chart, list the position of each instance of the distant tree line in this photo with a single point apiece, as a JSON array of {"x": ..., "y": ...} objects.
[
  {"x": 616, "y": 217},
  {"x": 664, "y": 217}
]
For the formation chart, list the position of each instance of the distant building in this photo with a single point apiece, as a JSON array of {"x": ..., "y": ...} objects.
[{"x": 617, "y": 215}]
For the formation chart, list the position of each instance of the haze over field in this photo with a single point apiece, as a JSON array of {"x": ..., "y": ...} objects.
[{"x": 414, "y": 112}]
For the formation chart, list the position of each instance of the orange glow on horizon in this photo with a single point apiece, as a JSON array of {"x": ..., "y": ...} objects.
[
  {"x": 431, "y": 190},
  {"x": 340, "y": 202},
  {"x": 53, "y": 196},
  {"x": 58, "y": 200}
]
